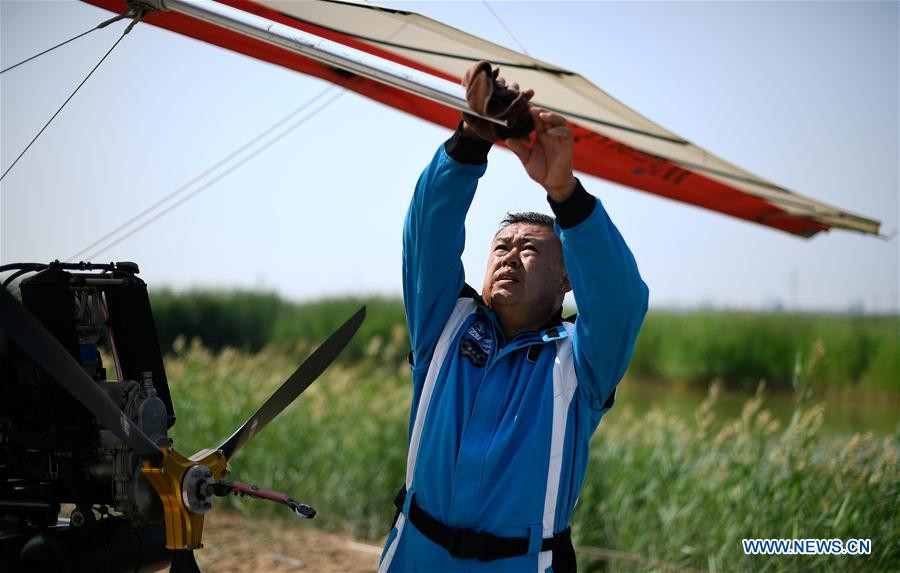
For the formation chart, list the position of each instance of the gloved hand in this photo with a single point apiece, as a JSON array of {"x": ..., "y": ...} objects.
[{"x": 489, "y": 95}]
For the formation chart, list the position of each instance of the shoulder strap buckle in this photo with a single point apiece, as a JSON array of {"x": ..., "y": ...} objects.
[{"x": 555, "y": 333}]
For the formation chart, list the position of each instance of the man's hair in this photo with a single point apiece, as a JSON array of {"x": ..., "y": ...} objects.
[{"x": 528, "y": 217}]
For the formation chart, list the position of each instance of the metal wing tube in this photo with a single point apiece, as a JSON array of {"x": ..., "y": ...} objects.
[{"x": 323, "y": 50}]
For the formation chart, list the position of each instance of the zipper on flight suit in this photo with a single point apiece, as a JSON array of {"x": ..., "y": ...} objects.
[{"x": 541, "y": 338}]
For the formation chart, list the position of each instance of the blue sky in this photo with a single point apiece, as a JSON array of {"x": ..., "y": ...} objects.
[{"x": 802, "y": 94}]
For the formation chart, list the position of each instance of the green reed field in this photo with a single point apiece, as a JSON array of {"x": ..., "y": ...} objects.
[
  {"x": 738, "y": 348},
  {"x": 664, "y": 491}
]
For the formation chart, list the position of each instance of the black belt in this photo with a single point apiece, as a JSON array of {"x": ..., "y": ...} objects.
[{"x": 469, "y": 544}]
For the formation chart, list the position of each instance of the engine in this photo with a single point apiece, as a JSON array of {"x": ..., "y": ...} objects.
[{"x": 52, "y": 450}]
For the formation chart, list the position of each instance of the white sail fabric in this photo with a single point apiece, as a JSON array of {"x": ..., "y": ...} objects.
[
  {"x": 612, "y": 141},
  {"x": 452, "y": 51}
]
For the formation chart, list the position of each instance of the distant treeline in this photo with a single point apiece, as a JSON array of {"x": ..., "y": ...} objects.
[{"x": 738, "y": 348}]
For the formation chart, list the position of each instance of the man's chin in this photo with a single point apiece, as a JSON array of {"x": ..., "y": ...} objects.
[{"x": 503, "y": 297}]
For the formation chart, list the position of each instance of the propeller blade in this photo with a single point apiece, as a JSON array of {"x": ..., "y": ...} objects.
[
  {"x": 183, "y": 561},
  {"x": 49, "y": 354},
  {"x": 299, "y": 381}
]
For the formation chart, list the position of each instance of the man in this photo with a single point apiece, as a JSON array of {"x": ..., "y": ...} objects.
[{"x": 506, "y": 394}]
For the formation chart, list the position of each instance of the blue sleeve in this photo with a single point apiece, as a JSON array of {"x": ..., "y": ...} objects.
[
  {"x": 610, "y": 294},
  {"x": 433, "y": 241}
]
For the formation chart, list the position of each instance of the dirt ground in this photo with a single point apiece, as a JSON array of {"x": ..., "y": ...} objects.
[{"x": 237, "y": 544}]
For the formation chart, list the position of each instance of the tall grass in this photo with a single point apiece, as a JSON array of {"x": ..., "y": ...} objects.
[
  {"x": 742, "y": 348},
  {"x": 242, "y": 319},
  {"x": 738, "y": 348},
  {"x": 686, "y": 495},
  {"x": 678, "y": 492},
  {"x": 251, "y": 320}
]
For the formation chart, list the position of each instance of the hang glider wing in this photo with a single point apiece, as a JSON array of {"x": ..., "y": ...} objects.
[{"x": 612, "y": 141}]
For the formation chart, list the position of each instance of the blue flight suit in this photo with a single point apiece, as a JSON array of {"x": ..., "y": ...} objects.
[{"x": 500, "y": 430}]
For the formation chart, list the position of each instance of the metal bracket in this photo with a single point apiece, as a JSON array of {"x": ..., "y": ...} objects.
[{"x": 184, "y": 527}]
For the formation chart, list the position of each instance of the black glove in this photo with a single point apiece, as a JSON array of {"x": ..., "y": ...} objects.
[{"x": 489, "y": 95}]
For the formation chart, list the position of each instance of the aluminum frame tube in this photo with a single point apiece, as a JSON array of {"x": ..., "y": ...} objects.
[{"x": 326, "y": 51}]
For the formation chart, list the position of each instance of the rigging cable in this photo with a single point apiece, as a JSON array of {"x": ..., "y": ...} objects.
[
  {"x": 209, "y": 183},
  {"x": 128, "y": 13},
  {"x": 222, "y": 162},
  {"x": 212, "y": 168},
  {"x": 505, "y": 27},
  {"x": 137, "y": 18}
]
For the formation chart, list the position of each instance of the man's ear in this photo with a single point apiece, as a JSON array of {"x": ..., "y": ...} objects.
[{"x": 565, "y": 286}]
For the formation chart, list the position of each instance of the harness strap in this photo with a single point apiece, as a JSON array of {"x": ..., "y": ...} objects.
[{"x": 469, "y": 544}]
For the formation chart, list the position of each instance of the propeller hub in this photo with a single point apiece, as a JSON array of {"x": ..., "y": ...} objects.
[{"x": 195, "y": 491}]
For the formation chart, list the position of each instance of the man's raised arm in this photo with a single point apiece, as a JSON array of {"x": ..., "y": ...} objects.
[
  {"x": 434, "y": 237},
  {"x": 610, "y": 294}
]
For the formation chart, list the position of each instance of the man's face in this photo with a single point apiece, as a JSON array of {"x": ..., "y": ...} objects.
[{"x": 525, "y": 269}]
